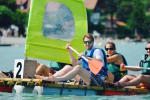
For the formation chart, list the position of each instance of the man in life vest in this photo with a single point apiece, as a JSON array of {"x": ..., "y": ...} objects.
[
  {"x": 144, "y": 77},
  {"x": 80, "y": 67}
]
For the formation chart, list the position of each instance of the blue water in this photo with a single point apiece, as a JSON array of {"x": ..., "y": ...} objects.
[
  {"x": 24, "y": 96},
  {"x": 8, "y": 55},
  {"x": 133, "y": 51}
]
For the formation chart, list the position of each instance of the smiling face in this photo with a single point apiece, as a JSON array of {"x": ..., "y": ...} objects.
[
  {"x": 109, "y": 49},
  {"x": 88, "y": 43},
  {"x": 147, "y": 48}
]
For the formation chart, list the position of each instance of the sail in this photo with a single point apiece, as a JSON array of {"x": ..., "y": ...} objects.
[{"x": 52, "y": 24}]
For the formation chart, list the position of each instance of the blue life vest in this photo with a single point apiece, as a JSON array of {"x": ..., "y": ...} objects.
[{"x": 103, "y": 71}]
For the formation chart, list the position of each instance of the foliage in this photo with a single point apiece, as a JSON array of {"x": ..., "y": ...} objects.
[
  {"x": 112, "y": 5},
  {"x": 133, "y": 12},
  {"x": 124, "y": 32},
  {"x": 147, "y": 27},
  {"x": 124, "y": 10},
  {"x": 9, "y": 14},
  {"x": 5, "y": 17},
  {"x": 20, "y": 18},
  {"x": 137, "y": 18},
  {"x": 11, "y": 4}
]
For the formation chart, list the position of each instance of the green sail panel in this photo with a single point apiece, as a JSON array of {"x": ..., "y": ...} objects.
[{"x": 52, "y": 24}]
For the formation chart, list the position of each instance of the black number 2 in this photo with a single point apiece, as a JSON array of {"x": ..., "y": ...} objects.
[{"x": 20, "y": 67}]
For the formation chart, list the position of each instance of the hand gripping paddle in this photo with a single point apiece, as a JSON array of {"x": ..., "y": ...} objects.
[{"x": 94, "y": 65}]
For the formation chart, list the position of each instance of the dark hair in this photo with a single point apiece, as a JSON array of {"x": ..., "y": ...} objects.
[
  {"x": 89, "y": 36},
  {"x": 112, "y": 44},
  {"x": 148, "y": 42}
]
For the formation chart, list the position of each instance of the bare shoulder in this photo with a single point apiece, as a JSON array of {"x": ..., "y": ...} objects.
[{"x": 117, "y": 56}]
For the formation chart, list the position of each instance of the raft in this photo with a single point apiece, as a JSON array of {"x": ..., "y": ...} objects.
[{"x": 37, "y": 86}]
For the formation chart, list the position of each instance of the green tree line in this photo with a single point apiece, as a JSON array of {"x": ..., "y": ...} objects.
[
  {"x": 9, "y": 14},
  {"x": 134, "y": 13}
]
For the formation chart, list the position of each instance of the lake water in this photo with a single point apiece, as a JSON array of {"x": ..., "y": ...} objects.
[
  {"x": 25, "y": 96},
  {"x": 133, "y": 51}
]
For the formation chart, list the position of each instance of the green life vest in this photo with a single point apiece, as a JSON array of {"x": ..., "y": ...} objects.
[
  {"x": 145, "y": 64},
  {"x": 116, "y": 68},
  {"x": 57, "y": 65},
  {"x": 113, "y": 67}
]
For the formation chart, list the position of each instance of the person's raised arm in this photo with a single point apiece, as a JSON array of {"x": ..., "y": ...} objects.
[
  {"x": 117, "y": 59},
  {"x": 72, "y": 58}
]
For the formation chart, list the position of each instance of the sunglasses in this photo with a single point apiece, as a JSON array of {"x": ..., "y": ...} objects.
[
  {"x": 89, "y": 42},
  {"x": 109, "y": 49},
  {"x": 147, "y": 48}
]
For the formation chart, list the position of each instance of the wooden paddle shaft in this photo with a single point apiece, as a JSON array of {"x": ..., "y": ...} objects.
[
  {"x": 23, "y": 80},
  {"x": 78, "y": 53},
  {"x": 137, "y": 67}
]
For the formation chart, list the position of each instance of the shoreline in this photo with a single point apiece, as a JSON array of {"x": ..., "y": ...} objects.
[
  {"x": 21, "y": 40},
  {"x": 8, "y": 41}
]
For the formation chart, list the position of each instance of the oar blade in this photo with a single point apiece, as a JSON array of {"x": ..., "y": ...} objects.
[{"x": 95, "y": 66}]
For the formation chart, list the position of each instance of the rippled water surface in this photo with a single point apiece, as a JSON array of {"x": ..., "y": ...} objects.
[{"x": 11, "y": 96}]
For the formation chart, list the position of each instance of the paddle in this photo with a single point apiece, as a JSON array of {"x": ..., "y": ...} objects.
[
  {"x": 135, "y": 67},
  {"x": 94, "y": 65},
  {"x": 22, "y": 80}
]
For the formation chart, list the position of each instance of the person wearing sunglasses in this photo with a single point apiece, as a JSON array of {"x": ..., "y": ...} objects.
[
  {"x": 114, "y": 60},
  {"x": 143, "y": 78},
  {"x": 80, "y": 68}
]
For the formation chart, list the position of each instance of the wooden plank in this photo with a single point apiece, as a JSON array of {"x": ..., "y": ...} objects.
[{"x": 131, "y": 90}]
